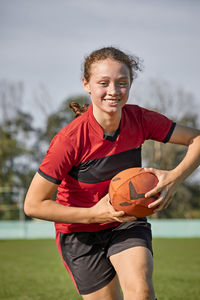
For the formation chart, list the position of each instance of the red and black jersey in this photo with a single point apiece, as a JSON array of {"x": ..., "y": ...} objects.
[{"x": 82, "y": 160}]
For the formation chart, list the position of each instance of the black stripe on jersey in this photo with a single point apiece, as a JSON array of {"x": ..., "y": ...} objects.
[
  {"x": 103, "y": 169},
  {"x": 170, "y": 133},
  {"x": 49, "y": 178}
]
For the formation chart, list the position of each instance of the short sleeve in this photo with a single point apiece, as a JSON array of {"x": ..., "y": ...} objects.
[
  {"x": 58, "y": 160},
  {"x": 156, "y": 126}
]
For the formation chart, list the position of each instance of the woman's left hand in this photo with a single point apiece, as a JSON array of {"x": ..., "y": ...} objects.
[{"x": 167, "y": 187}]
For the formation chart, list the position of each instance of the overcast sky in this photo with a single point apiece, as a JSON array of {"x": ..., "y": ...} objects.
[{"x": 44, "y": 41}]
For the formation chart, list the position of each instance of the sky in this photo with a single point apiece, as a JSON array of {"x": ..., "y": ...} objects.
[{"x": 43, "y": 43}]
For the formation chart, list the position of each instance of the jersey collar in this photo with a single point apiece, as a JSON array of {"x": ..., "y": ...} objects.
[{"x": 98, "y": 129}]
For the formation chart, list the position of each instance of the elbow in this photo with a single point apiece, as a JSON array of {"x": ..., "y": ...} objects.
[{"x": 29, "y": 209}]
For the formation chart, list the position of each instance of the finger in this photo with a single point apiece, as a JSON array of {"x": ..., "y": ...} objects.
[
  {"x": 152, "y": 192},
  {"x": 164, "y": 204},
  {"x": 118, "y": 214},
  {"x": 158, "y": 203},
  {"x": 107, "y": 197}
]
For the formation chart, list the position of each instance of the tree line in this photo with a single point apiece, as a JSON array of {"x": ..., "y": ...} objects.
[{"x": 23, "y": 144}]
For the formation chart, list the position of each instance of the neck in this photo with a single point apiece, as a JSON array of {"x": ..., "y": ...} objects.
[{"x": 109, "y": 122}]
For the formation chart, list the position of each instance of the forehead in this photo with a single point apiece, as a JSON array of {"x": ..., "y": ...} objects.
[{"x": 109, "y": 68}]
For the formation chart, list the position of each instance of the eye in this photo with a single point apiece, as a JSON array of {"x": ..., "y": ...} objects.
[
  {"x": 103, "y": 83},
  {"x": 122, "y": 83}
]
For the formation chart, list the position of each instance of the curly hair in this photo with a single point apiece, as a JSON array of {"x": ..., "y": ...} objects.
[{"x": 133, "y": 63}]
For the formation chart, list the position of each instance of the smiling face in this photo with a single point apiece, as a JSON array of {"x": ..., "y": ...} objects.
[{"x": 108, "y": 86}]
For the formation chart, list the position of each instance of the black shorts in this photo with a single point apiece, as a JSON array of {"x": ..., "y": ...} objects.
[{"x": 86, "y": 254}]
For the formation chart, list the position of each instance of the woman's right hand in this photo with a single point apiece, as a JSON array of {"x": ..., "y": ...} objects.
[{"x": 103, "y": 212}]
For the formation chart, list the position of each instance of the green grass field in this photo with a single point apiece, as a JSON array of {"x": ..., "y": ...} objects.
[{"x": 32, "y": 270}]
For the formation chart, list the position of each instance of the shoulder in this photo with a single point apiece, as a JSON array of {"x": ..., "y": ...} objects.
[
  {"x": 67, "y": 143},
  {"x": 133, "y": 111},
  {"x": 74, "y": 129},
  {"x": 134, "y": 108},
  {"x": 154, "y": 125},
  {"x": 68, "y": 138},
  {"x": 131, "y": 107},
  {"x": 141, "y": 112}
]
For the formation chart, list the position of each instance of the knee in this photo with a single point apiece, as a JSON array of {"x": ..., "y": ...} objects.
[{"x": 143, "y": 290}]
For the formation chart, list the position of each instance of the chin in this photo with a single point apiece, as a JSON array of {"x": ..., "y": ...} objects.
[{"x": 113, "y": 111}]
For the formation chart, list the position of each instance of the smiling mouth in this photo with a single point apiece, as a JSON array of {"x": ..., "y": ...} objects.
[{"x": 112, "y": 100}]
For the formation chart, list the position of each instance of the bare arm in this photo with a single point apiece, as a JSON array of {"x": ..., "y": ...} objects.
[
  {"x": 38, "y": 204},
  {"x": 170, "y": 180},
  {"x": 191, "y": 138}
]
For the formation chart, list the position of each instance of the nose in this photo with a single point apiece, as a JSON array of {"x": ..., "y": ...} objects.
[{"x": 113, "y": 90}]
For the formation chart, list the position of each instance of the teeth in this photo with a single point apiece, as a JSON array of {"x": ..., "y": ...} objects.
[{"x": 112, "y": 101}]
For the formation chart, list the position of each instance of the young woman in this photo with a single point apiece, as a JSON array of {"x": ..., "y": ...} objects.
[{"x": 100, "y": 247}]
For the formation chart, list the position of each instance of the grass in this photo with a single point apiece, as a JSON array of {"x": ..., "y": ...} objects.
[
  {"x": 177, "y": 269},
  {"x": 32, "y": 270}
]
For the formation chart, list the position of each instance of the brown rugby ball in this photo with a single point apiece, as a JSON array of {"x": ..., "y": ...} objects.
[{"x": 127, "y": 192}]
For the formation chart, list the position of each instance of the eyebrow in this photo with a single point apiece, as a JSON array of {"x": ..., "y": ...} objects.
[{"x": 107, "y": 77}]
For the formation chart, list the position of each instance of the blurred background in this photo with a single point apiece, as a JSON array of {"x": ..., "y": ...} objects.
[{"x": 42, "y": 48}]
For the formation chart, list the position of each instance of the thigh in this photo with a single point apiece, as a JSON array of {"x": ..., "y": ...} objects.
[
  {"x": 133, "y": 264},
  {"x": 130, "y": 252},
  {"x": 134, "y": 267}
]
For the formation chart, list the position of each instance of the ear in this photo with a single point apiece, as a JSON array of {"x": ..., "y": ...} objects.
[{"x": 86, "y": 85}]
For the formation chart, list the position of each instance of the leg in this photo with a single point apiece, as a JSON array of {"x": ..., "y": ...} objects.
[
  {"x": 110, "y": 292},
  {"x": 134, "y": 267}
]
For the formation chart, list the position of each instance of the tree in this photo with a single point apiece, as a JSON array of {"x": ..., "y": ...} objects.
[
  {"x": 16, "y": 130},
  {"x": 16, "y": 136}
]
